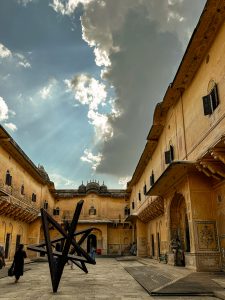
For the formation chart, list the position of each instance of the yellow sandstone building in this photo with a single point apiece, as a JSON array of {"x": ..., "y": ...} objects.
[
  {"x": 174, "y": 205},
  {"x": 178, "y": 189},
  {"x": 25, "y": 188}
]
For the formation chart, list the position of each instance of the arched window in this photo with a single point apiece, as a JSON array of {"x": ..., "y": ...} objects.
[
  {"x": 33, "y": 197},
  {"x": 92, "y": 211},
  {"x": 8, "y": 178}
]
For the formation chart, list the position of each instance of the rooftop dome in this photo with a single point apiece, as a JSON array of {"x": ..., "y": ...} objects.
[
  {"x": 103, "y": 188},
  {"x": 93, "y": 186},
  {"x": 82, "y": 188}
]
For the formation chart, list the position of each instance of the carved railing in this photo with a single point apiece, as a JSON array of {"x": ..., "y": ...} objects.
[
  {"x": 13, "y": 204},
  {"x": 152, "y": 208}
]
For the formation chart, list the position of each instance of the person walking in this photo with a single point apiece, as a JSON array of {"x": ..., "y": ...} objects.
[
  {"x": 19, "y": 262},
  {"x": 93, "y": 252},
  {"x": 2, "y": 257}
]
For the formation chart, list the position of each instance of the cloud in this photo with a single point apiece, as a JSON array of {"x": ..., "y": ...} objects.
[
  {"x": 22, "y": 61},
  {"x": 5, "y": 114},
  {"x": 4, "y": 52},
  {"x": 46, "y": 91},
  {"x": 67, "y": 8},
  {"x": 103, "y": 129},
  {"x": 138, "y": 45},
  {"x": 4, "y": 111},
  {"x": 11, "y": 126},
  {"x": 18, "y": 58},
  {"x": 61, "y": 181},
  {"x": 87, "y": 90},
  {"x": 90, "y": 92},
  {"x": 24, "y": 2},
  {"x": 123, "y": 181},
  {"x": 92, "y": 159}
]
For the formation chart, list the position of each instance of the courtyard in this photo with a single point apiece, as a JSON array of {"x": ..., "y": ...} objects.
[{"x": 108, "y": 279}]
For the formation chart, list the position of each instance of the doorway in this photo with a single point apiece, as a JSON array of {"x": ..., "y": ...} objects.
[
  {"x": 91, "y": 242},
  {"x": 153, "y": 245},
  {"x": 7, "y": 244},
  {"x": 158, "y": 243},
  {"x": 179, "y": 229}
]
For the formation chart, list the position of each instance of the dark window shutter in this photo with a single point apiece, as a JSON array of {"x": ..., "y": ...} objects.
[
  {"x": 54, "y": 212},
  {"x": 214, "y": 97},
  {"x": 145, "y": 189},
  {"x": 45, "y": 205},
  {"x": 10, "y": 180},
  {"x": 171, "y": 153},
  {"x": 22, "y": 189},
  {"x": 139, "y": 196},
  {"x": 128, "y": 211},
  {"x": 152, "y": 179},
  {"x": 132, "y": 205},
  {"x": 167, "y": 157},
  {"x": 207, "y": 105}
]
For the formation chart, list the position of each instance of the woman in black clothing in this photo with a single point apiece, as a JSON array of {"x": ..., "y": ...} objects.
[{"x": 19, "y": 262}]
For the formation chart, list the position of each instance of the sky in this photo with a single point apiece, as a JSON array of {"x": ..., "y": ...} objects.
[{"x": 79, "y": 80}]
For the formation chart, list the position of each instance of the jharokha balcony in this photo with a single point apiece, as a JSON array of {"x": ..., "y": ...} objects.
[
  {"x": 17, "y": 206},
  {"x": 152, "y": 208}
]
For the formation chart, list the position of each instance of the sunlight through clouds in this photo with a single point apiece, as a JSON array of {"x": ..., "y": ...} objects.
[
  {"x": 92, "y": 159},
  {"x": 89, "y": 91},
  {"x": 46, "y": 91}
]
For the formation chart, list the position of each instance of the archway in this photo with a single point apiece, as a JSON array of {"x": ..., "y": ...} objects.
[
  {"x": 179, "y": 228},
  {"x": 91, "y": 242}
]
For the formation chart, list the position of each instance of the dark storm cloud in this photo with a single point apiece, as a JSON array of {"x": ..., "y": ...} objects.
[{"x": 140, "y": 73}]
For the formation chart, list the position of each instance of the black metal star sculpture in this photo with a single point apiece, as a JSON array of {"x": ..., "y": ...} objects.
[{"x": 58, "y": 259}]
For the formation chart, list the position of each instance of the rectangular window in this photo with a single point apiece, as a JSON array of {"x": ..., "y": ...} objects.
[
  {"x": 210, "y": 101},
  {"x": 169, "y": 155},
  {"x": 133, "y": 205}
]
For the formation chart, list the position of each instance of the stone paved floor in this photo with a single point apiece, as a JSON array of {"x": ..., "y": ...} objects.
[{"x": 106, "y": 280}]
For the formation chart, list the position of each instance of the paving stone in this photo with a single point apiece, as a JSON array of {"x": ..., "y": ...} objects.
[
  {"x": 197, "y": 283},
  {"x": 149, "y": 277},
  {"x": 107, "y": 280}
]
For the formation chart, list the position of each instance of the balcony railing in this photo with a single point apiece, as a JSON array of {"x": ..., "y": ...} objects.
[
  {"x": 150, "y": 209},
  {"x": 18, "y": 206}
]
